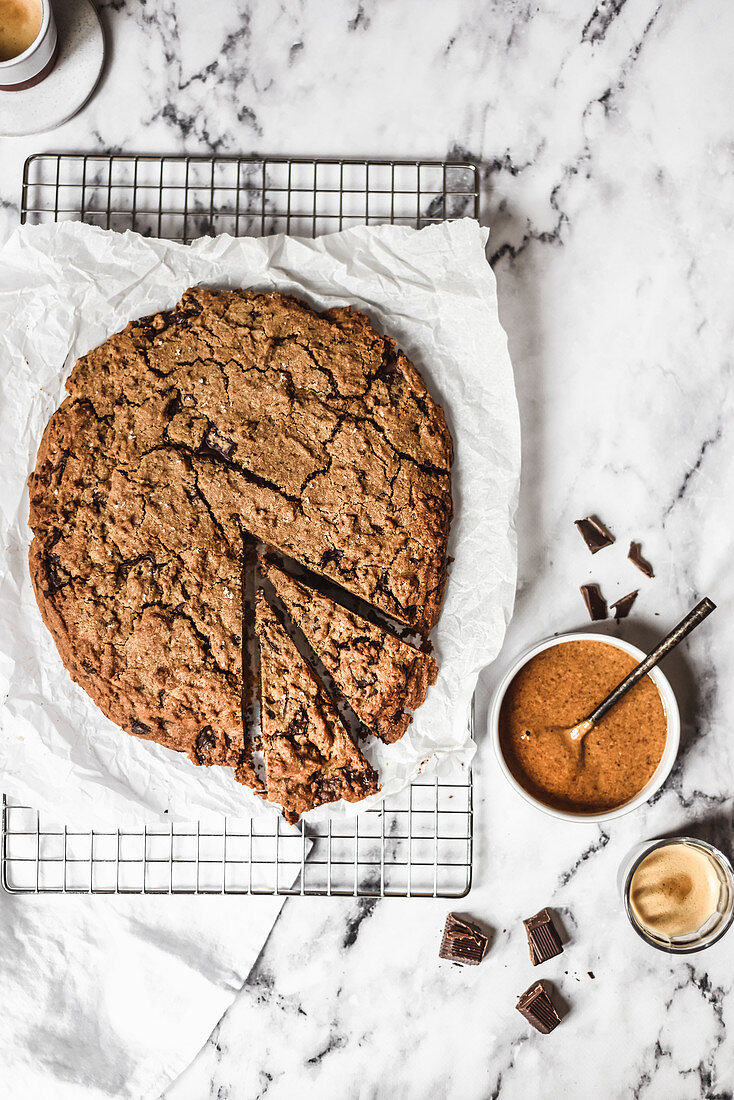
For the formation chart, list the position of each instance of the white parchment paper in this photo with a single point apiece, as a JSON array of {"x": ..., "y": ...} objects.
[
  {"x": 64, "y": 289},
  {"x": 113, "y": 997}
]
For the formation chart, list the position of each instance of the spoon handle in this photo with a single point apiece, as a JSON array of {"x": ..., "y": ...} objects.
[{"x": 677, "y": 634}]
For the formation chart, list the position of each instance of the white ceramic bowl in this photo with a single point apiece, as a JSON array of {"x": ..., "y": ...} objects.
[{"x": 672, "y": 740}]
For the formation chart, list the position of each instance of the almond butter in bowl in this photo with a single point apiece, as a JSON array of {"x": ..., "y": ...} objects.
[{"x": 626, "y": 757}]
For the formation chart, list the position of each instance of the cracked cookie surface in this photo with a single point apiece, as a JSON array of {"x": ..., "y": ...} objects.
[
  {"x": 381, "y": 677},
  {"x": 234, "y": 412},
  {"x": 310, "y": 759}
]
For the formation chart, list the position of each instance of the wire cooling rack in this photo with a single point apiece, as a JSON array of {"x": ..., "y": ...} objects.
[
  {"x": 415, "y": 844},
  {"x": 181, "y": 198}
]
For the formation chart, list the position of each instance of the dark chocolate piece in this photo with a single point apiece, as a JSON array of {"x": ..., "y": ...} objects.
[
  {"x": 596, "y": 605},
  {"x": 538, "y": 1009},
  {"x": 594, "y": 533},
  {"x": 462, "y": 942},
  {"x": 635, "y": 556},
  {"x": 543, "y": 939},
  {"x": 623, "y": 606}
]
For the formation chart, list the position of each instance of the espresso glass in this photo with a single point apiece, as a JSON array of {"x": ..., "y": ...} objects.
[{"x": 717, "y": 924}]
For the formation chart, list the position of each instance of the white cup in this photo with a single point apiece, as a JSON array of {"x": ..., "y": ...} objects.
[
  {"x": 34, "y": 64},
  {"x": 672, "y": 739}
]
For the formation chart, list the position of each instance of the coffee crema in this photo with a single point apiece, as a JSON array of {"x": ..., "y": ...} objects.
[
  {"x": 20, "y": 24},
  {"x": 675, "y": 890},
  {"x": 558, "y": 688}
]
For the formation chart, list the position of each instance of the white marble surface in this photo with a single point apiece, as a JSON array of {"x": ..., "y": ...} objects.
[{"x": 607, "y": 138}]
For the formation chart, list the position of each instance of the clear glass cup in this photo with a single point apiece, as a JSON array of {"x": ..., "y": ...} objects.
[{"x": 713, "y": 928}]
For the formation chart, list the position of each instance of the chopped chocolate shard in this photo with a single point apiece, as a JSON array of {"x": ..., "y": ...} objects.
[
  {"x": 623, "y": 606},
  {"x": 215, "y": 445},
  {"x": 538, "y": 1009},
  {"x": 139, "y": 728},
  {"x": 596, "y": 605},
  {"x": 462, "y": 942},
  {"x": 543, "y": 939},
  {"x": 174, "y": 406},
  {"x": 181, "y": 317},
  {"x": 635, "y": 556},
  {"x": 205, "y": 746},
  {"x": 594, "y": 533},
  {"x": 56, "y": 578},
  {"x": 389, "y": 366},
  {"x": 331, "y": 556}
]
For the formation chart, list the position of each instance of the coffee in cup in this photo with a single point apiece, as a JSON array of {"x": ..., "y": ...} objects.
[
  {"x": 20, "y": 25},
  {"x": 28, "y": 43},
  {"x": 679, "y": 893}
]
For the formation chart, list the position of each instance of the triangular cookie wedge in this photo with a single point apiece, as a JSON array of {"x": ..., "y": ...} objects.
[
  {"x": 380, "y": 676},
  {"x": 309, "y": 757}
]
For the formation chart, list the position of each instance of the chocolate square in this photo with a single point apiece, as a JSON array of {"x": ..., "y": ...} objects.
[
  {"x": 543, "y": 939},
  {"x": 462, "y": 942},
  {"x": 538, "y": 1009}
]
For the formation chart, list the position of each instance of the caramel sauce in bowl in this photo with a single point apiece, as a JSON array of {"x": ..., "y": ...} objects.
[{"x": 627, "y": 757}]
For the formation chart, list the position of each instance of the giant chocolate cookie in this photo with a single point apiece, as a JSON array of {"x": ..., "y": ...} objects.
[{"x": 235, "y": 412}]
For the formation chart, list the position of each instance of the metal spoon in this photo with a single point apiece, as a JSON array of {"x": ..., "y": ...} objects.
[{"x": 678, "y": 633}]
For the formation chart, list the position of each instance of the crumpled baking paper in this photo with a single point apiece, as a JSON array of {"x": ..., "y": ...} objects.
[
  {"x": 64, "y": 289},
  {"x": 113, "y": 997}
]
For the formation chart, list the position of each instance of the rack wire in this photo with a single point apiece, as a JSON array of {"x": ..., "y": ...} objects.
[
  {"x": 415, "y": 844},
  {"x": 181, "y": 198}
]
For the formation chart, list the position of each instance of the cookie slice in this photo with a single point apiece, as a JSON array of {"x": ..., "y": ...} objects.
[
  {"x": 380, "y": 676},
  {"x": 309, "y": 757}
]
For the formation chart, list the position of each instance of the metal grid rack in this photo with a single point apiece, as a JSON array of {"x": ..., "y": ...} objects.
[
  {"x": 415, "y": 844},
  {"x": 181, "y": 198}
]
